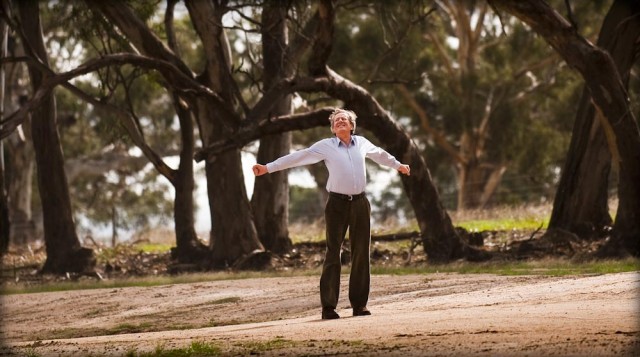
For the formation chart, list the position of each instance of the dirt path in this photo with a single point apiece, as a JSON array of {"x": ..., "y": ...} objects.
[{"x": 421, "y": 315}]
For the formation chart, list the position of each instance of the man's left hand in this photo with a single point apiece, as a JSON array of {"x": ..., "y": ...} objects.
[{"x": 404, "y": 169}]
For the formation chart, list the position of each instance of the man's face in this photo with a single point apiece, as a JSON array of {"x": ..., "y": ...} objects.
[{"x": 341, "y": 123}]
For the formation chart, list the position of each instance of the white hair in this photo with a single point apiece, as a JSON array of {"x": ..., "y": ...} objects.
[{"x": 350, "y": 115}]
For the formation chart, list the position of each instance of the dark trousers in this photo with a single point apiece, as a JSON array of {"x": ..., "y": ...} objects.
[{"x": 341, "y": 214}]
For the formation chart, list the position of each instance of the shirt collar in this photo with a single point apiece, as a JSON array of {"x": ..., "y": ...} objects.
[{"x": 338, "y": 142}]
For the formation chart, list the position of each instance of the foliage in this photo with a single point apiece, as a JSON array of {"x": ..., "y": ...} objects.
[
  {"x": 377, "y": 44},
  {"x": 304, "y": 205},
  {"x": 130, "y": 196}
]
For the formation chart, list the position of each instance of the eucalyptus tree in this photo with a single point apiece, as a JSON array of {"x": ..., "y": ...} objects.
[
  {"x": 139, "y": 107},
  {"x": 19, "y": 158},
  {"x": 64, "y": 252},
  {"x": 440, "y": 240},
  {"x": 270, "y": 200},
  {"x": 215, "y": 99},
  {"x": 5, "y": 227},
  {"x": 444, "y": 65},
  {"x": 581, "y": 202},
  {"x": 610, "y": 101}
]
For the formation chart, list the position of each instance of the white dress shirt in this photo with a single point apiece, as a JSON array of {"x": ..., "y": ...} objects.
[{"x": 347, "y": 174}]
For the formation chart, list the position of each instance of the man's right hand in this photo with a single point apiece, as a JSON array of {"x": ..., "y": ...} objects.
[{"x": 259, "y": 170}]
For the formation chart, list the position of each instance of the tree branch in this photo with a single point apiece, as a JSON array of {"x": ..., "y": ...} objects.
[
  {"x": 436, "y": 134},
  {"x": 182, "y": 83},
  {"x": 323, "y": 40},
  {"x": 251, "y": 131}
]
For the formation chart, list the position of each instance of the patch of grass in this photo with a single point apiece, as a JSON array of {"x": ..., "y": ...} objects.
[
  {"x": 70, "y": 332},
  {"x": 31, "y": 353},
  {"x": 110, "y": 253},
  {"x": 150, "y": 281},
  {"x": 557, "y": 266},
  {"x": 196, "y": 349},
  {"x": 504, "y": 224},
  {"x": 307, "y": 232},
  {"x": 230, "y": 299},
  {"x": 130, "y": 328},
  {"x": 549, "y": 267},
  {"x": 503, "y": 218},
  {"x": 256, "y": 347},
  {"x": 154, "y": 247}
]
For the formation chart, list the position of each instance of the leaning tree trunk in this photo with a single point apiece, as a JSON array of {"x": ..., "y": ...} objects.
[
  {"x": 440, "y": 240},
  {"x": 581, "y": 201},
  {"x": 270, "y": 200},
  {"x": 64, "y": 252},
  {"x": 610, "y": 98}
]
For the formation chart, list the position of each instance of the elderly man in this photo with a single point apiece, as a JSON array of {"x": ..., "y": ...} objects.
[{"x": 347, "y": 206}]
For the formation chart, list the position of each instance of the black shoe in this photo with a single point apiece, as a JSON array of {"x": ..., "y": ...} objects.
[
  {"x": 361, "y": 311},
  {"x": 329, "y": 314}
]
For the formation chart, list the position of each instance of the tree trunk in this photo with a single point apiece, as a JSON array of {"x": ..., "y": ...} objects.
[
  {"x": 610, "y": 98},
  {"x": 320, "y": 176},
  {"x": 20, "y": 165},
  {"x": 233, "y": 233},
  {"x": 581, "y": 201},
  {"x": 64, "y": 252},
  {"x": 439, "y": 238},
  {"x": 5, "y": 227},
  {"x": 270, "y": 200},
  {"x": 189, "y": 249},
  {"x": 4, "y": 213},
  {"x": 19, "y": 158}
]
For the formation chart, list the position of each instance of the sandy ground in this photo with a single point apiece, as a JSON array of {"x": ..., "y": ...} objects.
[{"x": 415, "y": 315}]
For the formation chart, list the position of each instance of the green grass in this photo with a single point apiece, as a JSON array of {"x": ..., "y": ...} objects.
[
  {"x": 503, "y": 224},
  {"x": 548, "y": 267},
  {"x": 196, "y": 349},
  {"x": 108, "y": 253},
  {"x": 151, "y": 281},
  {"x": 257, "y": 347},
  {"x": 154, "y": 247},
  {"x": 553, "y": 267}
]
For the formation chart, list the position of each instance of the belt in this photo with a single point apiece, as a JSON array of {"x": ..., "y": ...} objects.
[{"x": 347, "y": 197}]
